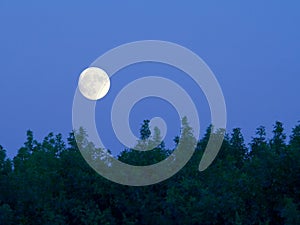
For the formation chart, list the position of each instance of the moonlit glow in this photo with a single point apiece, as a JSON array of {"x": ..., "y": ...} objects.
[{"x": 94, "y": 83}]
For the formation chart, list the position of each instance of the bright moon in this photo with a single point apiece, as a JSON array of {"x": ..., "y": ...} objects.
[{"x": 94, "y": 83}]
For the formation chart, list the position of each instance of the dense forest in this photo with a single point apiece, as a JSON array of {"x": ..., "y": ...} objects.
[{"x": 49, "y": 182}]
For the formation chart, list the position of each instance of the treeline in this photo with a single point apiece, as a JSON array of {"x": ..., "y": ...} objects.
[{"x": 49, "y": 182}]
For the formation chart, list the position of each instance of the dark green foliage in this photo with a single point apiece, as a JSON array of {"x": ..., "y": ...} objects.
[
  {"x": 49, "y": 182},
  {"x": 145, "y": 130}
]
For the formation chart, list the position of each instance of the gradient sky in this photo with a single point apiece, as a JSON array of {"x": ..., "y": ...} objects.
[{"x": 252, "y": 47}]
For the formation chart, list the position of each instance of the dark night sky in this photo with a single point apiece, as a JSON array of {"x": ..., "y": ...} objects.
[{"x": 252, "y": 47}]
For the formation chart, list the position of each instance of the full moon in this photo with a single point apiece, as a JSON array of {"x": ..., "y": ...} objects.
[{"x": 94, "y": 83}]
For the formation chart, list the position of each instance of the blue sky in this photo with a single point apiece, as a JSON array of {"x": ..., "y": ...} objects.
[{"x": 252, "y": 47}]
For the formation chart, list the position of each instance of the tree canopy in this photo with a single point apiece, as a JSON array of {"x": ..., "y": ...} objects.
[{"x": 49, "y": 182}]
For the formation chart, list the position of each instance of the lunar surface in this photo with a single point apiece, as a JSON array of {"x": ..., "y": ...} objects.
[{"x": 94, "y": 83}]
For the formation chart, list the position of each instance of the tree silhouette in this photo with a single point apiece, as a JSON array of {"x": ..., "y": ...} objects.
[{"x": 49, "y": 182}]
